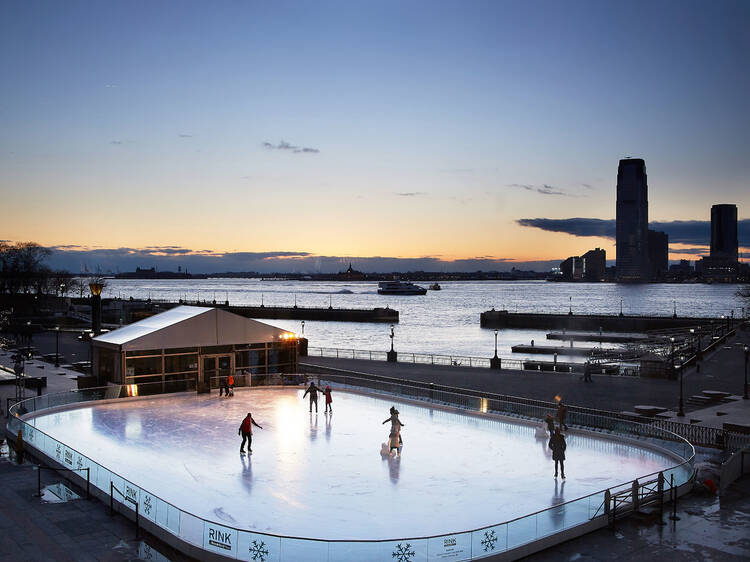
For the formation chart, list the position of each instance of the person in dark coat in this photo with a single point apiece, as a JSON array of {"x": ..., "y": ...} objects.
[
  {"x": 312, "y": 390},
  {"x": 558, "y": 446},
  {"x": 549, "y": 420},
  {"x": 394, "y": 437},
  {"x": 246, "y": 430},
  {"x": 562, "y": 410},
  {"x": 587, "y": 372}
]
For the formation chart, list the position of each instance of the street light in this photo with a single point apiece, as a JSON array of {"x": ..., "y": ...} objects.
[
  {"x": 692, "y": 340},
  {"x": 57, "y": 346},
  {"x": 391, "y": 338},
  {"x": 671, "y": 354},
  {"x": 570, "y": 305},
  {"x": 495, "y": 344},
  {"x": 681, "y": 413},
  {"x": 303, "y": 328},
  {"x": 744, "y": 395}
]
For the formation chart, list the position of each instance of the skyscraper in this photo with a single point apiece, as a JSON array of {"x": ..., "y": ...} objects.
[
  {"x": 632, "y": 221},
  {"x": 724, "y": 232},
  {"x": 658, "y": 254}
]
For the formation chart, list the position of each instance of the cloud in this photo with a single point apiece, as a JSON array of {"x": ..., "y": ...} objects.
[
  {"x": 692, "y": 233},
  {"x": 283, "y": 145},
  {"x": 410, "y": 193},
  {"x": 574, "y": 226},
  {"x": 544, "y": 189},
  {"x": 115, "y": 142},
  {"x": 169, "y": 258},
  {"x": 185, "y": 136}
]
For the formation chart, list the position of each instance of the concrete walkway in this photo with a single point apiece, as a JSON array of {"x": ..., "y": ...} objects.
[{"x": 723, "y": 370}]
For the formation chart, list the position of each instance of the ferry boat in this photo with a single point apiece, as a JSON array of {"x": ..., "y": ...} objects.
[{"x": 400, "y": 288}]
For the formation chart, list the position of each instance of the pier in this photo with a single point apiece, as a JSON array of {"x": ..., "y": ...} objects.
[
  {"x": 131, "y": 311},
  {"x": 596, "y": 336},
  {"x": 501, "y": 319}
]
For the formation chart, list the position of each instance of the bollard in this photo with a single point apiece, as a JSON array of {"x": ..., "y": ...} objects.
[{"x": 636, "y": 497}]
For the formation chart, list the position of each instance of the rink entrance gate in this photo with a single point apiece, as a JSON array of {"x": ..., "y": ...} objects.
[{"x": 213, "y": 366}]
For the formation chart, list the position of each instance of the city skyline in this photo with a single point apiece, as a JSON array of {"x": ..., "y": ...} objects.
[{"x": 453, "y": 135}]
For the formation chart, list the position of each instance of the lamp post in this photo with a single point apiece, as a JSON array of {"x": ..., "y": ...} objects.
[
  {"x": 303, "y": 328},
  {"x": 744, "y": 394},
  {"x": 570, "y": 306},
  {"x": 692, "y": 341},
  {"x": 495, "y": 343},
  {"x": 674, "y": 309},
  {"x": 96, "y": 306},
  {"x": 681, "y": 412},
  {"x": 392, "y": 355},
  {"x": 620, "y": 306},
  {"x": 57, "y": 346},
  {"x": 671, "y": 356},
  {"x": 496, "y": 362}
]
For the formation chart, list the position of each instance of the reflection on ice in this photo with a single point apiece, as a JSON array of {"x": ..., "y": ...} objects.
[{"x": 311, "y": 475}]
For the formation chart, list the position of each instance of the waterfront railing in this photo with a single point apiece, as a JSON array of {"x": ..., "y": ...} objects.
[{"x": 162, "y": 516}]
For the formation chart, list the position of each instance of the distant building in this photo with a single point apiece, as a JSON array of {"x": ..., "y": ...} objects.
[
  {"x": 724, "y": 243},
  {"x": 722, "y": 264},
  {"x": 683, "y": 267},
  {"x": 632, "y": 221},
  {"x": 591, "y": 266},
  {"x": 594, "y": 265},
  {"x": 572, "y": 269},
  {"x": 658, "y": 254},
  {"x": 351, "y": 274}
]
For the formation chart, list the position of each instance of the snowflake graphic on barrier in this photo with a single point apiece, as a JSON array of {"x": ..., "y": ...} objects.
[
  {"x": 489, "y": 540},
  {"x": 58, "y": 451},
  {"x": 79, "y": 463},
  {"x": 147, "y": 505},
  {"x": 258, "y": 550},
  {"x": 403, "y": 553}
]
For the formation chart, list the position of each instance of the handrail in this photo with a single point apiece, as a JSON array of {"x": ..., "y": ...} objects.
[
  {"x": 112, "y": 488},
  {"x": 107, "y": 391},
  {"x": 39, "y": 469}
]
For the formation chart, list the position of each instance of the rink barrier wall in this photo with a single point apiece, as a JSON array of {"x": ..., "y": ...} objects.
[
  {"x": 206, "y": 539},
  {"x": 534, "y": 409}
]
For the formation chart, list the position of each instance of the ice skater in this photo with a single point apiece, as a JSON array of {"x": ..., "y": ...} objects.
[
  {"x": 327, "y": 394},
  {"x": 558, "y": 446},
  {"x": 312, "y": 390},
  {"x": 230, "y": 385},
  {"x": 246, "y": 430},
  {"x": 224, "y": 387},
  {"x": 395, "y": 442},
  {"x": 562, "y": 410},
  {"x": 550, "y": 421},
  {"x": 587, "y": 372}
]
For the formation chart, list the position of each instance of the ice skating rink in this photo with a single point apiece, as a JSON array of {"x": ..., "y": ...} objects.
[{"x": 313, "y": 475}]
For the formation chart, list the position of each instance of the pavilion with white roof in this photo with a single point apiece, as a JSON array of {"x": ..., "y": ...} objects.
[{"x": 189, "y": 342}]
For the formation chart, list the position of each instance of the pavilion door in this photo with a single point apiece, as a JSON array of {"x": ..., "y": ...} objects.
[{"x": 212, "y": 368}]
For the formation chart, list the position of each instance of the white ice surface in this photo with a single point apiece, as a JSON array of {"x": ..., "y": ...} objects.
[{"x": 323, "y": 477}]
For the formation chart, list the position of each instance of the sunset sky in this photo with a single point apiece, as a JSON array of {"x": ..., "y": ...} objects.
[{"x": 314, "y": 133}]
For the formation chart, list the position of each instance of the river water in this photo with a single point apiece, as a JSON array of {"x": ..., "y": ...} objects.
[{"x": 442, "y": 322}]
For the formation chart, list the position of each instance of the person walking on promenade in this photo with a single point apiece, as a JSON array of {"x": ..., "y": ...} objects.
[
  {"x": 312, "y": 390},
  {"x": 394, "y": 437},
  {"x": 246, "y": 430},
  {"x": 587, "y": 372},
  {"x": 327, "y": 394},
  {"x": 558, "y": 446},
  {"x": 562, "y": 411}
]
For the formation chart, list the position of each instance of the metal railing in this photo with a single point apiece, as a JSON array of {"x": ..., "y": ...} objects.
[
  {"x": 470, "y": 361},
  {"x": 472, "y": 544}
]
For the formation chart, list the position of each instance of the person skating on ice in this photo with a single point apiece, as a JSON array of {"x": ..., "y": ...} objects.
[
  {"x": 246, "y": 430},
  {"x": 224, "y": 387},
  {"x": 327, "y": 394},
  {"x": 549, "y": 420},
  {"x": 312, "y": 390},
  {"x": 558, "y": 446},
  {"x": 394, "y": 437}
]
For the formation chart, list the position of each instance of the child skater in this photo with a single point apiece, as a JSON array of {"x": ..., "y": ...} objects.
[
  {"x": 327, "y": 394},
  {"x": 394, "y": 437}
]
